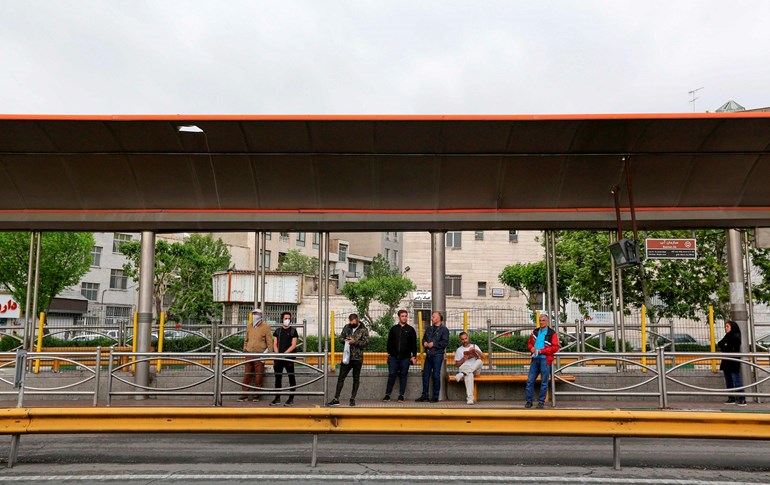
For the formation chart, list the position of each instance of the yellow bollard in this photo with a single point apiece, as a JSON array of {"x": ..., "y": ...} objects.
[
  {"x": 39, "y": 345},
  {"x": 419, "y": 338},
  {"x": 644, "y": 341},
  {"x": 161, "y": 326},
  {"x": 133, "y": 341},
  {"x": 537, "y": 318},
  {"x": 712, "y": 338},
  {"x": 332, "y": 341},
  {"x": 465, "y": 322}
]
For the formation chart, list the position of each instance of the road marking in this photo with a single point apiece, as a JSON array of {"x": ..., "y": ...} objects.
[{"x": 368, "y": 477}]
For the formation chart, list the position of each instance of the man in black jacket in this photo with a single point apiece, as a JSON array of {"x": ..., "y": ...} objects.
[{"x": 402, "y": 351}]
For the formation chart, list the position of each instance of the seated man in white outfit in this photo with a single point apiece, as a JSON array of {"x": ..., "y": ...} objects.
[{"x": 468, "y": 357}]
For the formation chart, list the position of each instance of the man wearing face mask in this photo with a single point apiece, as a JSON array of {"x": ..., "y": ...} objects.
[
  {"x": 285, "y": 342},
  {"x": 357, "y": 337}
]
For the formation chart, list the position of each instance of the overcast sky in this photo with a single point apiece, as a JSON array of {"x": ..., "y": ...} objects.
[{"x": 381, "y": 57}]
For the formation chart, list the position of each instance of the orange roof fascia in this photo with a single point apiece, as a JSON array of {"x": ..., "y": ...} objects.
[{"x": 525, "y": 117}]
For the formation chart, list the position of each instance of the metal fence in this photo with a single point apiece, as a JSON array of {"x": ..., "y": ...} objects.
[{"x": 660, "y": 375}]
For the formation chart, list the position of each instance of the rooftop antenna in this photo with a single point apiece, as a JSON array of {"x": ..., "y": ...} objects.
[{"x": 693, "y": 96}]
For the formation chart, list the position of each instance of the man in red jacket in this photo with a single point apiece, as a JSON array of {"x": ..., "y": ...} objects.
[{"x": 543, "y": 343}]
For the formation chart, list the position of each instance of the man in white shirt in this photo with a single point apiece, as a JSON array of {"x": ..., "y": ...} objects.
[{"x": 468, "y": 357}]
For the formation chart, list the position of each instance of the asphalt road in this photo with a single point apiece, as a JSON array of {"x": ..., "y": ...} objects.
[{"x": 245, "y": 458}]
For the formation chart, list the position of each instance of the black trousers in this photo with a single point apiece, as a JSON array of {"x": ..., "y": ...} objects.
[
  {"x": 355, "y": 365},
  {"x": 279, "y": 366}
]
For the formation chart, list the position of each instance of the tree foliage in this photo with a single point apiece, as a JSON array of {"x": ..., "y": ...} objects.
[
  {"x": 297, "y": 262},
  {"x": 64, "y": 258},
  {"x": 677, "y": 288},
  {"x": 383, "y": 283},
  {"x": 531, "y": 280},
  {"x": 183, "y": 270}
]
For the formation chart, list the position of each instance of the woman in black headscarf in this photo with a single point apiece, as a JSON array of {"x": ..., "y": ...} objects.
[{"x": 731, "y": 342}]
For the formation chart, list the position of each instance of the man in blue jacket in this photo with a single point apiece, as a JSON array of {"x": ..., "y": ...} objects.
[{"x": 435, "y": 341}]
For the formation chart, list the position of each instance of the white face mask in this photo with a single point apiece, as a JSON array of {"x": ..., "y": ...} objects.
[{"x": 286, "y": 322}]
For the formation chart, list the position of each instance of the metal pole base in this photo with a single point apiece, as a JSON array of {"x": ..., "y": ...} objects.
[
  {"x": 616, "y": 453},
  {"x": 314, "y": 456},
  {"x": 15, "y": 439}
]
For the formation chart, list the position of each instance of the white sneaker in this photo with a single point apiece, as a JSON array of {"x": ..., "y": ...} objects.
[
  {"x": 469, "y": 401},
  {"x": 459, "y": 376}
]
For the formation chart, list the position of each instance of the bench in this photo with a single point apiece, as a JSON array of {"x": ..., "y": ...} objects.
[{"x": 505, "y": 378}]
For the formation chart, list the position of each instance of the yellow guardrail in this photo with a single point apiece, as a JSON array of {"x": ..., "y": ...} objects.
[{"x": 615, "y": 423}]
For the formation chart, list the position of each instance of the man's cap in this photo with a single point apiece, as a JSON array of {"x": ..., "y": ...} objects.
[{"x": 256, "y": 310}]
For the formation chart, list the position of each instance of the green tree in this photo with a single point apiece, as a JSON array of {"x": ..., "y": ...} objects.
[
  {"x": 383, "y": 283},
  {"x": 677, "y": 288},
  {"x": 297, "y": 262},
  {"x": 64, "y": 258},
  {"x": 184, "y": 271},
  {"x": 531, "y": 280}
]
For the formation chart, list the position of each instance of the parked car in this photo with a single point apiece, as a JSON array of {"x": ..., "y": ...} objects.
[
  {"x": 764, "y": 342},
  {"x": 679, "y": 338},
  {"x": 87, "y": 336}
]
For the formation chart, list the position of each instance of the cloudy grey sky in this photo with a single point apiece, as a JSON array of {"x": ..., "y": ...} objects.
[{"x": 381, "y": 57}]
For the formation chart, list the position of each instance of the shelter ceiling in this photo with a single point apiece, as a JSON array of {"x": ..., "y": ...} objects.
[{"x": 364, "y": 173}]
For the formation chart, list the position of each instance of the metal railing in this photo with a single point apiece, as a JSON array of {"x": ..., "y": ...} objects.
[{"x": 657, "y": 372}]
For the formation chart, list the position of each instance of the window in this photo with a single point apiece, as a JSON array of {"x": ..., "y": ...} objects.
[
  {"x": 352, "y": 265},
  {"x": 284, "y": 237},
  {"x": 453, "y": 285},
  {"x": 268, "y": 235},
  {"x": 96, "y": 256},
  {"x": 267, "y": 259},
  {"x": 395, "y": 258},
  {"x": 301, "y": 239},
  {"x": 115, "y": 315},
  {"x": 118, "y": 281},
  {"x": 513, "y": 236},
  {"x": 454, "y": 240},
  {"x": 90, "y": 291},
  {"x": 281, "y": 258},
  {"x": 482, "y": 289},
  {"x": 119, "y": 239},
  {"x": 498, "y": 292},
  {"x": 367, "y": 268},
  {"x": 316, "y": 240},
  {"x": 343, "y": 252},
  {"x": 387, "y": 255},
  {"x": 395, "y": 236},
  {"x": 387, "y": 236},
  {"x": 479, "y": 235}
]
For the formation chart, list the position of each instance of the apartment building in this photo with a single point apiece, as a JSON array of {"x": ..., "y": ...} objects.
[{"x": 474, "y": 259}]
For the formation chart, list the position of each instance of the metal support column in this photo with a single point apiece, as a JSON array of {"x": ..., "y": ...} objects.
[
  {"x": 35, "y": 291},
  {"x": 144, "y": 317},
  {"x": 554, "y": 283},
  {"x": 738, "y": 312},
  {"x": 750, "y": 306},
  {"x": 28, "y": 325},
  {"x": 257, "y": 265},
  {"x": 547, "y": 298},
  {"x": 323, "y": 307},
  {"x": 616, "y": 453},
  {"x": 438, "y": 271}
]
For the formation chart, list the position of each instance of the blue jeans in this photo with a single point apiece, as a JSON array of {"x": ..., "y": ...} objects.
[
  {"x": 400, "y": 368},
  {"x": 733, "y": 380},
  {"x": 432, "y": 367},
  {"x": 540, "y": 366}
]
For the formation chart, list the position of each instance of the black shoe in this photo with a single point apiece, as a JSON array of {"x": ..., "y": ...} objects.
[
  {"x": 386, "y": 398},
  {"x": 434, "y": 399},
  {"x": 540, "y": 405},
  {"x": 276, "y": 402},
  {"x": 290, "y": 402},
  {"x": 352, "y": 403},
  {"x": 422, "y": 399},
  {"x": 741, "y": 403},
  {"x": 255, "y": 398},
  {"x": 243, "y": 398},
  {"x": 400, "y": 398},
  {"x": 730, "y": 401},
  {"x": 528, "y": 404},
  {"x": 334, "y": 402}
]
